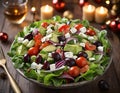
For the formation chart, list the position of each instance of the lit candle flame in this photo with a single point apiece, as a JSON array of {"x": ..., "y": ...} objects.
[
  {"x": 89, "y": 7},
  {"x": 102, "y": 9},
  {"x": 47, "y": 8},
  {"x": 16, "y": 11}
]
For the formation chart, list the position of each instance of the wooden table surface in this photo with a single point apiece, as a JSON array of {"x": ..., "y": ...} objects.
[{"x": 112, "y": 76}]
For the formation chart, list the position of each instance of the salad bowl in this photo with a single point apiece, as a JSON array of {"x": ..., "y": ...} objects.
[{"x": 60, "y": 53}]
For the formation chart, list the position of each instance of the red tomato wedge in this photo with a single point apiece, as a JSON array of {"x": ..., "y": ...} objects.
[
  {"x": 65, "y": 29},
  {"x": 81, "y": 61},
  {"x": 91, "y": 32},
  {"x": 89, "y": 46},
  {"x": 78, "y": 26},
  {"x": 43, "y": 45},
  {"x": 84, "y": 69},
  {"x": 37, "y": 39},
  {"x": 33, "y": 51},
  {"x": 74, "y": 71},
  {"x": 44, "y": 24}
]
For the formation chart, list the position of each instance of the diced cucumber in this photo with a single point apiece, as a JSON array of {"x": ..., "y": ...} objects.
[
  {"x": 90, "y": 53},
  {"x": 73, "y": 48},
  {"x": 21, "y": 50},
  {"x": 44, "y": 54},
  {"x": 49, "y": 48},
  {"x": 33, "y": 58},
  {"x": 31, "y": 43}
]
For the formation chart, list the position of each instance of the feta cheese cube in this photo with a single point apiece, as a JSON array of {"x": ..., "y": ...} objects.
[
  {"x": 49, "y": 31},
  {"x": 50, "y": 54},
  {"x": 52, "y": 67},
  {"x": 67, "y": 35},
  {"x": 39, "y": 66},
  {"x": 33, "y": 65},
  {"x": 20, "y": 39},
  {"x": 82, "y": 44},
  {"x": 83, "y": 29},
  {"x": 68, "y": 54},
  {"x": 90, "y": 38},
  {"x": 74, "y": 57},
  {"x": 100, "y": 48},
  {"x": 49, "y": 27},
  {"x": 91, "y": 59},
  {"x": 25, "y": 42},
  {"x": 73, "y": 30}
]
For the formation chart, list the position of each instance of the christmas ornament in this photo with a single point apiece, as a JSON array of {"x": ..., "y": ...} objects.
[
  {"x": 59, "y": 5},
  {"x": 98, "y": 1},
  {"x": 3, "y": 36},
  {"x": 68, "y": 14},
  {"x": 83, "y": 2}
]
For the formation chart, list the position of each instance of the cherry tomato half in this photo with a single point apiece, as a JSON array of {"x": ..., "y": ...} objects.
[
  {"x": 91, "y": 32},
  {"x": 84, "y": 69},
  {"x": 90, "y": 46},
  {"x": 65, "y": 29},
  {"x": 74, "y": 71},
  {"x": 44, "y": 45},
  {"x": 33, "y": 51},
  {"x": 78, "y": 26},
  {"x": 44, "y": 24},
  {"x": 81, "y": 61}
]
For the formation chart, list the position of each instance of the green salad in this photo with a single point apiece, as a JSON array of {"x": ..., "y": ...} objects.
[{"x": 60, "y": 51}]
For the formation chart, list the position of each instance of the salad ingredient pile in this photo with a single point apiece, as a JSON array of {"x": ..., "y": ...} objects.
[{"x": 61, "y": 51}]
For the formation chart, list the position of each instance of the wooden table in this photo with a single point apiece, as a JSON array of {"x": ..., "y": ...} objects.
[{"x": 112, "y": 76}]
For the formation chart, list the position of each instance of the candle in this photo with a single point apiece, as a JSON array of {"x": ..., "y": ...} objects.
[
  {"x": 46, "y": 12},
  {"x": 88, "y": 12},
  {"x": 101, "y": 14}
]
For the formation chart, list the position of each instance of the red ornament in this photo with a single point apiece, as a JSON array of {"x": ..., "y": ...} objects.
[
  {"x": 118, "y": 26},
  {"x": 59, "y": 5},
  {"x": 113, "y": 25},
  {"x": 83, "y": 2},
  {"x": 98, "y": 1},
  {"x": 3, "y": 36}
]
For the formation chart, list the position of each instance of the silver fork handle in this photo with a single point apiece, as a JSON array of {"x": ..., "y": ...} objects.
[{"x": 12, "y": 81}]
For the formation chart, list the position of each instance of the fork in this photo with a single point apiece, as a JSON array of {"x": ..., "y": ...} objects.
[{"x": 12, "y": 81}]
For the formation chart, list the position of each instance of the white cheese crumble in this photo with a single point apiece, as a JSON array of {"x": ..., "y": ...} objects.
[
  {"x": 91, "y": 59},
  {"x": 68, "y": 54},
  {"x": 74, "y": 57},
  {"x": 83, "y": 29},
  {"x": 67, "y": 35},
  {"x": 49, "y": 27},
  {"x": 100, "y": 48},
  {"x": 20, "y": 39},
  {"x": 50, "y": 54},
  {"x": 73, "y": 30},
  {"x": 75, "y": 41},
  {"x": 33, "y": 65},
  {"x": 36, "y": 66},
  {"x": 82, "y": 44},
  {"x": 45, "y": 38},
  {"x": 52, "y": 67},
  {"x": 90, "y": 38},
  {"x": 49, "y": 31}
]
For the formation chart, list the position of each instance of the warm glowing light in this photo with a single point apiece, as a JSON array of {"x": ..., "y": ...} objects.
[
  {"x": 33, "y": 9},
  {"x": 47, "y": 8},
  {"x": 102, "y": 10},
  {"x": 16, "y": 11},
  {"x": 90, "y": 7},
  {"x": 107, "y": 2}
]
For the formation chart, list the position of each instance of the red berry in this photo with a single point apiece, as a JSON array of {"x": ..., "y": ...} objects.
[{"x": 3, "y": 36}]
